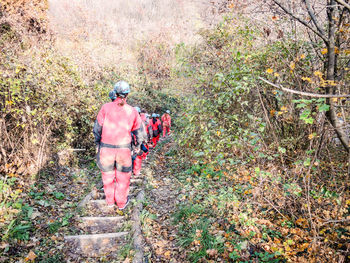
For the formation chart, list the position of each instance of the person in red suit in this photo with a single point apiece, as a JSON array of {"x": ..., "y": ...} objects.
[
  {"x": 156, "y": 129},
  {"x": 166, "y": 121},
  {"x": 112, "y": 130}
]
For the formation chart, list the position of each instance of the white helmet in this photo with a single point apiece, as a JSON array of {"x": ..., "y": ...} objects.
[
  {"x": 138, "y": 109},
  {"x": 122, "y": 88}
]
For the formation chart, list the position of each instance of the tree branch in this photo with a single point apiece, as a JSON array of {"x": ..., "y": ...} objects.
[
  {"x": 313, "y": 17},
  {"x": 300, "y": 21},
  {"x": 302, "y": 93},
  {"x": 341, "y": 2},
  {"x": 336, "y": 221}
]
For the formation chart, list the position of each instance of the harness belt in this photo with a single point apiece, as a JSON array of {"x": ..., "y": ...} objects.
[{"x": 122, "y": 146}]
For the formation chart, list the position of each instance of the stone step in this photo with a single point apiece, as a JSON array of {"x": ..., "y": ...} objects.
[
  {"x": 95, "y": 245},
  {"x": 101, "y": 194},
  {"x": 99, "y": 207},
  {"x": 94, "y": 225},
  {"x": 137, "y": 180},
  {"x": 131, "y": 187}
]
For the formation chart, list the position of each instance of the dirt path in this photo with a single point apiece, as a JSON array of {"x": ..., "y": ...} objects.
[{"x": 161, "y": 193}]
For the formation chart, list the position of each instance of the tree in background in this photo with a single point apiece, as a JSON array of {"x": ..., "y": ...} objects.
[{"x": 327, "y": 25}]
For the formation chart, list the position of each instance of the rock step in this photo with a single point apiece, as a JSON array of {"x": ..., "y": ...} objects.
[
  {"x": 94, "y": 225},
  {"x": 101, "y": 195},
  {"x": 131, "y": 189},
  {"x": 99, "y": 207},
  {"x": 136, "y": 181},
  {"x": 95, "y": 245}
]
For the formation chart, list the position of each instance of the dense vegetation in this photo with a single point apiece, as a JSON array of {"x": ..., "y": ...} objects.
[{"x": 265, "y": 169}]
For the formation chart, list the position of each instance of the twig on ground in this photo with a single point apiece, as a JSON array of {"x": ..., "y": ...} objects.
[{"x": 275, "y": 208}]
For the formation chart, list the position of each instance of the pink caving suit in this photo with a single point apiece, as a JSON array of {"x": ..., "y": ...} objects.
[
  {"x": 156, "y": 129},
  {"x": 166, "y": 119},
  {"x": 141, "y": 156},
  {"x": 112, "y": 131}
]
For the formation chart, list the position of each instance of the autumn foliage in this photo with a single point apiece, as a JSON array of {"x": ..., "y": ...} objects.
[{"x": 267, "y": 179}]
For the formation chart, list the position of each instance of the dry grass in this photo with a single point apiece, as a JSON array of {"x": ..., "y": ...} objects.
[{"x": 107, "y": 32}]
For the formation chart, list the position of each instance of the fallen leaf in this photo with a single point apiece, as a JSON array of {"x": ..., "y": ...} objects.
[
  {"x": 167, "y": 254},
  {"x": 3, "y": 245},
  {"x": 212, "y": 252},
  {"x": 292, "y": 65},
  {"x": 31, "y": 256}
]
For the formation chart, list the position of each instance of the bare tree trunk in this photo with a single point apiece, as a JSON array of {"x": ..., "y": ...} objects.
[{"x": 331, "y": 64}]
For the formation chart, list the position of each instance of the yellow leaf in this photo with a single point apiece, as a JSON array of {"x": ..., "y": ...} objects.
[
  {"x": 332, "y": 83},
  {"x": 31, "y": 256},
  {"x": 347, "y": 202},
  {"x": 334, "y": 100},
  {"x": 35, "y": 141},
  {"x": 167, "y": 254},
  {"x": 269, "y": 70},
  {"x": 283, "y": 108},
  {"x": 302, "y": 56},
  {"x": 286, "y": 247},
  {"x": 274, "y": 249},
  {"x": 318, "y": 74},
  {"x": 307, "y": 79},
  {"x": 218, "y": 133},
  {"x": 336, "y": 50},
  {"x": 301, "y": 222},
  {"x": 311, "y": 136},
  {"x": 292, "y": 65},
  {"x": 276, "y": 74},
  {"x": 324, "y": 51},
  {"x": 304, "y": 246}
]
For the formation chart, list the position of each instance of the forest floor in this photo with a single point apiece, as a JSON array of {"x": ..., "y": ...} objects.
[
  {"x": 47, "y": 213},
  {"x": 50, "y": 212},
  {"x": 185, "y": 218},
  {"x": 162, "y": 192}
]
